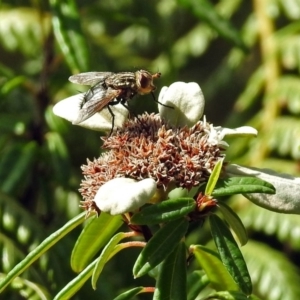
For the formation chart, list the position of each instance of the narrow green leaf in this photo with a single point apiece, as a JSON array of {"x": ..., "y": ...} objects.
[
  {"x": 92, "y": 238},
  {"x": 129, "y": 294},
  {"x": 59, "y": 156},
  {"x": 105, "y": 256},
  {"x": 74, "y": 286},
  {"x": 234, "y": 222},
  {"x": 15, "y": 216},
  {"x": 41, "y": 249},
  {"x": 20, "y": 24},
  {"x": 159, "y": 246},
  {"x": 196, "y": 282},
  {"x": 205, "y": 11},
  {"x": 67, "y": 30},
  {"x": 230, "y": 254},
  {"x": 217, "y": 274},
  {"x": 26, "y": 289},
  {"x": 285, "y": 200},
  {"x": 12, "y": 84},
  {"x": 230, "y": 295},
  {"x": 15, "y": 166},
  {"x": 273, "y": 267},
  {"x": 55, "y": 123},
  {"x": 214, "y": 177},
  {"x": 242, "y": 185},
  {"x": 171, "y": 283},
  {"x": 168, "y": 210}
]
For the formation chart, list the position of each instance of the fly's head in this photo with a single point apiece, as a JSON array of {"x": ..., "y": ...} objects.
[{"x": 144, "y": 81}]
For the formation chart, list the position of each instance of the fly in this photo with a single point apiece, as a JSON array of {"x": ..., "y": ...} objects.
[{"x": 110, "y": 89}]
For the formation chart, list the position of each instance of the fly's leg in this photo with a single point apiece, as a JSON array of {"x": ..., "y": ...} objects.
[
  {"x": 112, "y": 103},
  {"x": 131, "y": 111},
  {"x": 112, "y": 119}
]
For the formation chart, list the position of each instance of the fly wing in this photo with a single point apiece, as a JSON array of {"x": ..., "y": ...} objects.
[
  {"x": 89, "y": 78},
  {"x": 100, "y": 99}
]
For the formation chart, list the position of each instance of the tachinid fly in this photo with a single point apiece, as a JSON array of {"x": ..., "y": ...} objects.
[{"x": 109, "y": 89}]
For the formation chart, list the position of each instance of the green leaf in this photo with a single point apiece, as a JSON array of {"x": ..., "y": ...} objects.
[
  {"x": 92, "y": 238},
  {"x": 56, "y": 123},
  {"x": 19, "y": 25},
  {"x": 74, "y": 286},
  {"x": 283, "y": 226},
  {"x": 15, "y": 165},
  {"x": 168, "y": 210},
  {"x": 105, "y": 256},
  {"x": 196, "y": 282},
  {"x": 241, "y": 185},
  {"x": 217, "y": 274},
  {"x": 129, "y": 294},
  {"x": 230, "y": 295},
  {"x": 205, "y": 11},
  {"x": 287, "y": 196},
  {"x": 27, "y": 289},
  {"x": 158, "y": 248},
  {"x": 272, "y": 266},
  {"x": 12, "y": 84},
  {"x": 180, "y": 193},
  {"x": 230, "y": 254},
  {"x": 41, "y": 249},
  {"x": 20, "y": 230},
  {"x": 59, "y": 156},
  {"x": 171, "y": 283},
  {"x": 214, "y": 177},
  {"x": 67, "y": 30},
  {"x": 234, "y": 222}
]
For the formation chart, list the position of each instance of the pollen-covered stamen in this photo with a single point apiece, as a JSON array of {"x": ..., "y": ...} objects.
[{"x": 180, "y": 157}]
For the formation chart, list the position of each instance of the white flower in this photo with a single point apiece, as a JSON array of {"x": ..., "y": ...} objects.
[
  {"x": 188, "y": 104},
  {"x": 187, "y": 101},
  {"x": 217, "y": 134},
  {"x": 69, "y": 109},
  {"x": 121, "y": 195}
]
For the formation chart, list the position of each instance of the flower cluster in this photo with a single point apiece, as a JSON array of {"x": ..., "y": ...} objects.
[
  {"x": 155, "y": 152},
  {"x": 149, "y": 148}
]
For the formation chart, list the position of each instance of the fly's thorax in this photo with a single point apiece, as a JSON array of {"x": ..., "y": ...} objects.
[
  {"x": 144, "y": 81},
  {"x": 123, "y": 80}
]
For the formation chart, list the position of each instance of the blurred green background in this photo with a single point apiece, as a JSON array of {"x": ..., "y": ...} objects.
[{"x": 245, "y": 55}]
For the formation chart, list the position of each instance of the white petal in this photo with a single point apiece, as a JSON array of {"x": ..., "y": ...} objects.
[
  {"x": 217, "y": 134},
  {"x": 69, "y": 109},
  {"x": 287, "y": 197},
  {"x": 121, "y": 195},
  {"x": 215, "y": 137},
  {"x": 187, "y": 101},
  {"x": 240, "y": 131}
]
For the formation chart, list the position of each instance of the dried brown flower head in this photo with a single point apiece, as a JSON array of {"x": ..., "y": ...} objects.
[{"x": 149, "y": 148}]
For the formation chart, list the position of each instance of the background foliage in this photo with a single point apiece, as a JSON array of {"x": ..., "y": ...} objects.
[{"x": 245, "y": 56}]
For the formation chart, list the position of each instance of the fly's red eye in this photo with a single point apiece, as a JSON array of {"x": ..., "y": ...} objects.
[{"x": 144, "y": 81}]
